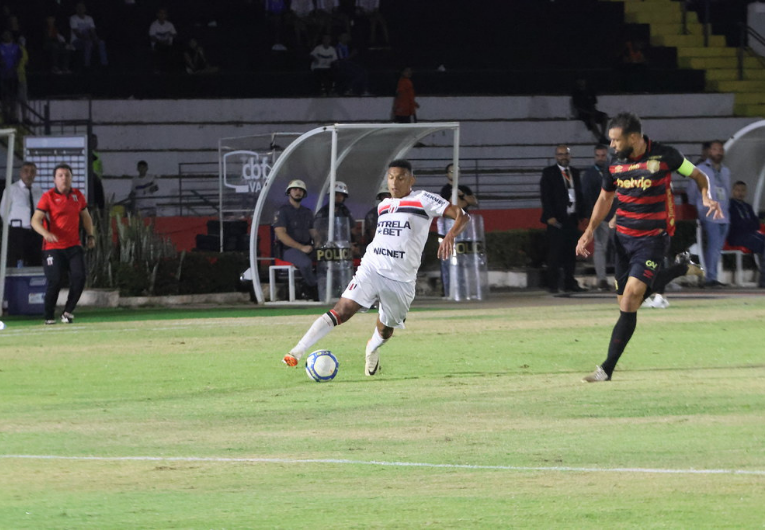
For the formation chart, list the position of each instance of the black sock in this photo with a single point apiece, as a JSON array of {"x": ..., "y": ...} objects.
[{"x": 621, "y": 335}]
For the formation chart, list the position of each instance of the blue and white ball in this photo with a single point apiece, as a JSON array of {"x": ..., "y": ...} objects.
[{"x": 321, "y": 366}]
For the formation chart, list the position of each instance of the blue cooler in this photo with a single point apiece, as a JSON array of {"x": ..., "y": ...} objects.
[{"x": 25, "y": 291}]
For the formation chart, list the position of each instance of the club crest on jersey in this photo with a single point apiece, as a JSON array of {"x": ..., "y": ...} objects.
[
  {"x": 74, "y": 198},
  {"x": 393, "y": 206},
  {"x": 653, "y": 166}
]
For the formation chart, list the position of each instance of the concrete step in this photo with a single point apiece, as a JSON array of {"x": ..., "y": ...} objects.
[
  {"x": 702, "y": 51},
  {"x": 690, "y": 41},
  {"x": 736, "y": 86},
  {"x": 750, "y": 97},
  {"x": 731, "y": 74},
  {"x": 705, "y": 63},
  {"x": 676, "y": 28},
  {"x": 751, "y": 110}
]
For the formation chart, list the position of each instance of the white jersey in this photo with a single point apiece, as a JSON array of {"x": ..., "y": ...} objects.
[{"x": 402, "y": 230}]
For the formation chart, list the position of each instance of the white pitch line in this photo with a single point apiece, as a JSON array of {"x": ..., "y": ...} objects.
[{"x": 644, "y": 470}]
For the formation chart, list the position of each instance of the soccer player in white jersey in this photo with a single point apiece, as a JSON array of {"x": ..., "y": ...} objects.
[{"x": 389, "y": 268}]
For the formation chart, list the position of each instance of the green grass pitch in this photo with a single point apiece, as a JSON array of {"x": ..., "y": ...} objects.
[{"x": 187, "y": 419}]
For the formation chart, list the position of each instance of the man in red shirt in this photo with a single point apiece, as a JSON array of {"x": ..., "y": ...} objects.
[
  {"x": 58, "y": 217},
  {"x": 405, "y": 106}
]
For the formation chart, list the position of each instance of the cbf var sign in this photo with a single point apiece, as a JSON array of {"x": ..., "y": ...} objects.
[{"x": 246, "y": 171}]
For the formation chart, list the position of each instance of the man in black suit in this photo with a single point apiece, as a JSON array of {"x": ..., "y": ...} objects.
[{"x": 562, "y": 204}]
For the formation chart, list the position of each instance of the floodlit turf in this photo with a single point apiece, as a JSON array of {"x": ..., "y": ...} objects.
[{"x": 189, "y": 420}]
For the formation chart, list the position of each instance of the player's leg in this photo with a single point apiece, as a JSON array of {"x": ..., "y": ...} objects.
[
  {"x": 361, "y": 292},
  {"x": 637, "y": 262},
  {"x": 77, "y": 273},
  {"x": 395, "y": 300},
  {"x": 52, "y": 267}
]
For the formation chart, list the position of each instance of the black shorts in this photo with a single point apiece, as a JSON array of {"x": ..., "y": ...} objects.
[{"x": 639, "y": 257}]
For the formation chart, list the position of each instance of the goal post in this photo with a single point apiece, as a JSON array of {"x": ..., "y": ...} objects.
[{"x": 10, "y": 136}]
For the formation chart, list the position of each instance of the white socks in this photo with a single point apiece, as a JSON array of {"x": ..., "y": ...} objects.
[
  {"x": 315, "y": 333},
  {"x": 375, "y": 342}
]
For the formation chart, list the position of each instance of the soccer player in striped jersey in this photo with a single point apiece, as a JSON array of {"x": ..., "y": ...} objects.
[
  {"x": 389, "y": 268},
  {"x": 640, "y": 177}
]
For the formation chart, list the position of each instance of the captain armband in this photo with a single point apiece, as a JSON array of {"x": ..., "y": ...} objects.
[{"x": 686, "y": 168}]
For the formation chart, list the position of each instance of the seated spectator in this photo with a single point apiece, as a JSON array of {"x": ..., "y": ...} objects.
[
  {"x": 56, "y": 48},
  {"x": 84, "y": 36},
  {"x": 195, "y": 59},
  {"x": 10, "y": 58},
  {"x": 583, "y": 103},
  {"x": 352, "y": 77},
  {"x": 162, "y": 34},
  {"x": 324, "y": 58},
  {"x": 369, "y": 10},
  {"x": 744, "y": 228}
]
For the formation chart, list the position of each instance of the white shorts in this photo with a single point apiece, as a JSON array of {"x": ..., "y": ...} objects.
[{"x": 395, "y": 298}]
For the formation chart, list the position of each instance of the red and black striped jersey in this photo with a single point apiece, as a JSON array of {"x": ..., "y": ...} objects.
[{"x": 642, "y": 186}]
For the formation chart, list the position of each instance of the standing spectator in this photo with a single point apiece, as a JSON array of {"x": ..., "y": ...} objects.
[
  {"x": 98, "y": 198},
  {"x": 162, "y": 34},
  {"x": 56, "y": 48},
  {"x": 328, "y": 15},
  {"x": 352, "y": 77},
  {"x": 296, "y": 236},
  {"x": 405, "y": 105},
  {"x": 370, "y": 10},
  {"x": 592, "y": 183},
  {"x": 715, "y": 228},
  {"x": 561, "y": 194},
  {"x": 22, "y": 95},
  {"x": 745, "y": 227},
  {"x": 10, "y": 58},
  {"x": 704, "y": 152},
  {"x": 304, "y": 22},
  {"x": 324, "y": 57},
  {"x": 143, "y": 192},
  {"x": 24, "y": 244},
  {"x": 84, "y": 36},
  {"x": 584, "y": 103},
  {"x": 275, "y": 13},
  {"x": 60, "y": 214}
]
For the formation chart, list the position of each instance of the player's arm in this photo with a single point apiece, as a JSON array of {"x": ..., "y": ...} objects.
[
  {"x": 461, "y": 219},
  {"x": 599, "y": 212},
  {"x": 37, "y": 226},
  {"x": 87, "y": 224},
  {"x": 687, "y": 169}
]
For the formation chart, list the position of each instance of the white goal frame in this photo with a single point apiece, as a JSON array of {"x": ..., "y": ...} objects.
[{"x": 10, "y": 149}]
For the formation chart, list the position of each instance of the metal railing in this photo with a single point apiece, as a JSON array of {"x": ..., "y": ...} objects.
[{"x": 744, "y": 49}]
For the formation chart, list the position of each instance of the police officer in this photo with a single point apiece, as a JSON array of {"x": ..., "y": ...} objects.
[
  {"x": 370, "y": 219},
  {"x": 294, "y": 230}
]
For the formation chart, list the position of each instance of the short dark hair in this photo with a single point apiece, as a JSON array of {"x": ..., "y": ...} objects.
[
  {"x": 450, "y": 164},
  {"x": 601, "y": 147},
  {"x": 739, "y": 183},
  {"x": 713, "y": 142},
  {"x": 706, "y": 145},
  {"x": 27, "y": 163},
  {"x": 142, "y": 163},
  {"x": 628, "y": 122},
  {"x": 402, "y": 163},
  {"x": 62, "y": 166}
]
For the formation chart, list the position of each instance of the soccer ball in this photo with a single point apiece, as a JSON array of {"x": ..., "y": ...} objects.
[{"x": 321, "y": 366}]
